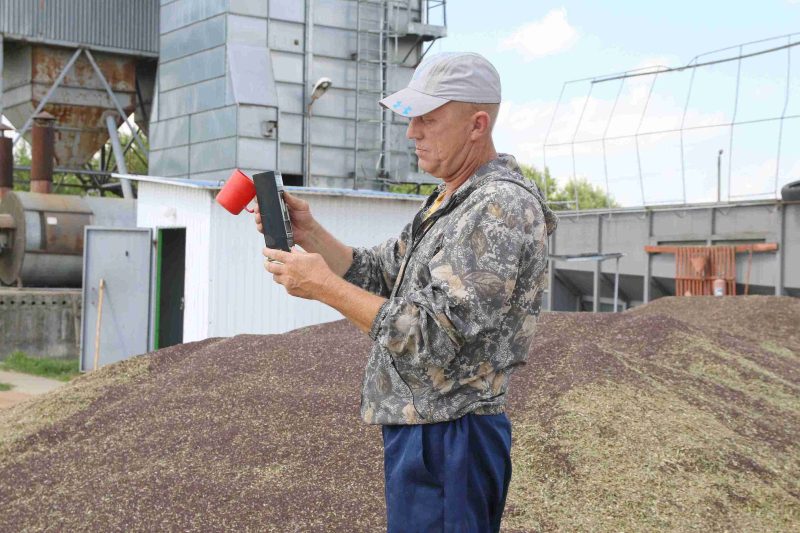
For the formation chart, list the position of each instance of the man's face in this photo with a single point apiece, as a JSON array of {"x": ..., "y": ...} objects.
[{"x": 442, "y": 139}]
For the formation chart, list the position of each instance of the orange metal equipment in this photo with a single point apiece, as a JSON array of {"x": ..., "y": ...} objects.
[{"x": 698, "y": 267}]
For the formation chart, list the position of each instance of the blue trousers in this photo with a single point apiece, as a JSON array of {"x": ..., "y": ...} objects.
[{"x": 447, "y": 477}]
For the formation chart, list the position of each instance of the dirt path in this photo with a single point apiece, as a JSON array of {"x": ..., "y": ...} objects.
[{"x": 24, "y": 386}]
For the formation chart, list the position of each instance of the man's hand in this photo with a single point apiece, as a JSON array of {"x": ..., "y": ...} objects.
[
  {"x": 303, "y": 223},
  {"x": 308, "y": 276},
  {"x": 302, "y": 274}
]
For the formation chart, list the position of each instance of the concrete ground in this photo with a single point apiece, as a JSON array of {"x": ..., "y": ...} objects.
[{"x": 24, "y": 386}]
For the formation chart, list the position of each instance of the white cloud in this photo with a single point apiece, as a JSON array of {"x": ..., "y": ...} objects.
[
  {"x": 522, "y": 128},
  {"x": 544, "y": 37}
]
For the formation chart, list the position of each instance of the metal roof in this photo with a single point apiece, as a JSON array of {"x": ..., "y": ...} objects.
[{"x": 322, "y": 191}]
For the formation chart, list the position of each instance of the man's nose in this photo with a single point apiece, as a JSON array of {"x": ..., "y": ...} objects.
[{"x": 413, "y": 130}]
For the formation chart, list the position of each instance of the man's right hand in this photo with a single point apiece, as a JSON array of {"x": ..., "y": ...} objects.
[{"x": 303, "y": 222}]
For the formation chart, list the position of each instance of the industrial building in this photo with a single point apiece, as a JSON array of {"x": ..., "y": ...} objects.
[{"x": 208, "y": 86}]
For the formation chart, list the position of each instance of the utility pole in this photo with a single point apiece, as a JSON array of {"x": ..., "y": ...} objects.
[{"x": 719, "y": 175}]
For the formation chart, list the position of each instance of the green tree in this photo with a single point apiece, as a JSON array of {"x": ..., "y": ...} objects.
[
  {"x": 135, "y": 160},
  {"x": 588, "y": 196},
  {"x": 561, "y": 198},
  {"x": 544, "y": 181}
]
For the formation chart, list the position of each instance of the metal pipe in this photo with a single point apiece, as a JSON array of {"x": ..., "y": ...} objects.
[
  {"x": 616, "y": 286},
  {"x": 307, "y": 166},
  {"x": 719, "y": 176},
  {"x": 358, "y": 77},
  {"x": 780, "y": 254},
  {"x": 1, "y": 77},
  {"x": 308, "y": 58},
  {"x": 119, "y": 155},
  {"x": 6, "y": 161},
  {"x": 42, "y": 152}
]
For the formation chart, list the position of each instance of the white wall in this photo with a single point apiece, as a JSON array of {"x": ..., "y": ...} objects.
[
  {"x": 243, "y": 297},
  {"x": 170, "y": 206},
  {"x": 227, "y": 290}
]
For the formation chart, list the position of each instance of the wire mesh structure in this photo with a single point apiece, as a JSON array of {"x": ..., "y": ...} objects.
[{"x": 722, "y": 127}]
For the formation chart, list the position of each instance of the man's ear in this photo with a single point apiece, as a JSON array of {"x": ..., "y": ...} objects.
[{"x": 481, "y": 125}]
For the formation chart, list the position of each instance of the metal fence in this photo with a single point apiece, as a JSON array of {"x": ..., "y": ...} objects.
[{"x": 722, "y": 127}]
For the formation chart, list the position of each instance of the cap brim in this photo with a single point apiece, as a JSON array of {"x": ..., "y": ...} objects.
[{"x": 410, "y": 103}]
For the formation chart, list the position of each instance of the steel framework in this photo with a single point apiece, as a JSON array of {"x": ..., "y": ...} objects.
[{"x": 785, "y": 44}]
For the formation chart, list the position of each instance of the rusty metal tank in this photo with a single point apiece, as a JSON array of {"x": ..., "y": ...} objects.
[
  {"x": 41, "y": 235},
  {"x": 79, "y": 104}
]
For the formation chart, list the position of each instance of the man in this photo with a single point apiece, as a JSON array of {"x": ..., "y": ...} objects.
[{"x": 451, "y": 304}]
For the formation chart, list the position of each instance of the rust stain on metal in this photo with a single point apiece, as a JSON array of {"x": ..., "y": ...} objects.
[
  {"x": 81, "y": 103},
  {"x": 47, "y": 63},
  {"x": 63, "y": 232}
]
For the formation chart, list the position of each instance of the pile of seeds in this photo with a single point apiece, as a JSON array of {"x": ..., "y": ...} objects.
[{"x": 680, "y": 415}]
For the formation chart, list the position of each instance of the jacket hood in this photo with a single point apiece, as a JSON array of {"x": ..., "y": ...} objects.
[{"x": 501, "y": 167}]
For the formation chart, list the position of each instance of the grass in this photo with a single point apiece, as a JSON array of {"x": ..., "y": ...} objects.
[
  {"x": 60, "y": 369},
  {"x": 5, "y": 386}
]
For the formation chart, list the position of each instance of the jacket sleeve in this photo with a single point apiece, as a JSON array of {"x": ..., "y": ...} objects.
[
  {"x": 375, "y": 269},
  {"x": 472, "y": 279}
]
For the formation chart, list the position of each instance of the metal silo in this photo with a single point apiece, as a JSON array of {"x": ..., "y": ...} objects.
[{"x": 234, "y": 84}]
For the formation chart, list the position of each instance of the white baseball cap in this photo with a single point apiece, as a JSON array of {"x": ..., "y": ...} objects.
[{"x": 446, "y": 77}]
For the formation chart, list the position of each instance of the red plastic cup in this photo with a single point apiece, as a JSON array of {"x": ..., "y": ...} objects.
[{"x": 237, "y": 192}]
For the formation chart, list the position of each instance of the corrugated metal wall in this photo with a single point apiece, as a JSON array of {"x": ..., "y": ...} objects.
[
  {"x": 126, "y": 26},
  {"x": 196, "y": 130},
  {"x": 168, "y": 206},
  {"x": 243, "y": 297}
]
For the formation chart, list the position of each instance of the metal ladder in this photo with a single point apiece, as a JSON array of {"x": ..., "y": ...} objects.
[
  {"x": 377, "y": 34},
  {"x": 376, "y": 24}
]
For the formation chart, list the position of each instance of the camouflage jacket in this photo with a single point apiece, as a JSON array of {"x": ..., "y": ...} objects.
[{"x": 464, "y": 288}]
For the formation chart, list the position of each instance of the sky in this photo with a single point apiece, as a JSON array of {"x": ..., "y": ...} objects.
[{"x": 538, "y": 46}]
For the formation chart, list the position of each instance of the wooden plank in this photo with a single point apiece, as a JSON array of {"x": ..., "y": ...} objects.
[{"x": 739, "y": 248}]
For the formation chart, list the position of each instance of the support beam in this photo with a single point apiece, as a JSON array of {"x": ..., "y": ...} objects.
[
  {"x": 551, "y": 281},
  {"x": 596, "y": 287},
  {"x": 119, "y": 155},
  {"x": 648, "y": 277},
  {"x": 661, "y": 288},
  {"x": 598, "y": 265},
  {"x": 779, "y": 255},
  {"x": 739, "y": 248},
  {"x": 606, "y": 277},
  {"x": 571, "y": 287},
  {"x": 113, "y": 97},
  {"x": 1, "y": 75}
]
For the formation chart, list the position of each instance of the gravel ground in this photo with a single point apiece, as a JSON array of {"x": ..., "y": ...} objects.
[{"x": 677, "y": 416}]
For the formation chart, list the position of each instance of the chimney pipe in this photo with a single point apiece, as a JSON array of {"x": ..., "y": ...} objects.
[
  {"x": 6, "y": 162},
  {"x": 42, "y": 152}
]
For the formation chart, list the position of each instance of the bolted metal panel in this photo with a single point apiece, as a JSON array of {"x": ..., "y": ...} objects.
[
  {"x": 122, "y": 258},
  {"x": 114, "y": 25}
]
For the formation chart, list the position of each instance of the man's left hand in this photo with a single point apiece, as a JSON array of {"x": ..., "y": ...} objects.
[{"x": 303, "y": 274}]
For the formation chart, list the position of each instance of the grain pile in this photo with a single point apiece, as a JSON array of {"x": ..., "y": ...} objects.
[{"x": 678, "y": 416}]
